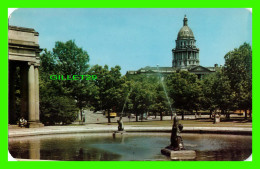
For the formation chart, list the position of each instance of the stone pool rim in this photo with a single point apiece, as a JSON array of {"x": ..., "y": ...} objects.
[{"x": 53, "y": 130}]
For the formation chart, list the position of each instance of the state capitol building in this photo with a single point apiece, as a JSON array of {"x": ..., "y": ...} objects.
[{"x": 185, "y": 56}]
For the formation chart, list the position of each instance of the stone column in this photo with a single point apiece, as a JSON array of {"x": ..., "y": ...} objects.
[
  {"x": 182, "y": 61},
  {"x": 193, "y": 58},
  {"x": 187, "y": 54},
  {"x": 197, "y": 57},
  {"x": 11, "y": 93},
  {"x": 37, "y": 108},
  {"x": 31, "y": 93}
]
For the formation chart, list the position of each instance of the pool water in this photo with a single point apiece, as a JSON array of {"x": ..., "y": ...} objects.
[{"x": 128, "y": 147}]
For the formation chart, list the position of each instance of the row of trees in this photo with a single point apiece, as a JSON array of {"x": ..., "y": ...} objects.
[{"x": 230, "y": 88}]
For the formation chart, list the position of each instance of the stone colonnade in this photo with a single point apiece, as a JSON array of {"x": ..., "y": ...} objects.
[
  {"x": 29, "y": 88},
  {"x": 185, "y": 58}
]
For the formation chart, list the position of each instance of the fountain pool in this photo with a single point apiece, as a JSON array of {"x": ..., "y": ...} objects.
[{"x": 128, "y": 147}]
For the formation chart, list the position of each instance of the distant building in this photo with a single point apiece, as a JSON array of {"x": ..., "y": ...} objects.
[{"x": 185, "y": 56}]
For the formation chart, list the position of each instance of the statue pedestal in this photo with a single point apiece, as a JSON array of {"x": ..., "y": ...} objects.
[{"x": 179, "y": 155}]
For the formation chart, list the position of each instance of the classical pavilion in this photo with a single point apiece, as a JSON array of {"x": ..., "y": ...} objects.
[{"x": 23, "y": 75}]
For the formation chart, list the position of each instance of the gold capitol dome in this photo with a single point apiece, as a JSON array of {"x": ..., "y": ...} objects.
[{"x": 185, "y": 32}]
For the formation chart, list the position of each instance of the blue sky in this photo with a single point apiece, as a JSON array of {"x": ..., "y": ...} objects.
[{"x": 139, "y": 37}]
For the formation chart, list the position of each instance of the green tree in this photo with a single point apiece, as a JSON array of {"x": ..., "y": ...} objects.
[
  {"x": 141, "y": 97},
  {"x": 72, "y": 60},
  {"x": 222, "y": 93},
  {"x": 208, "y": 94},
  {"x": 109, "y": 88},
  {"x": 238, "y": 69},
  {"x": 217, "y": 93},
  {"x": 65, "y": 59},
  {"x": 56, "y": 107},
  {"x": 185, "y": 91},
  {"x": 160, "y": 103}
]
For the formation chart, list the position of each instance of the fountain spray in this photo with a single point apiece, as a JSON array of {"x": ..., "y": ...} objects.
[{"x": 164, "y": 89}]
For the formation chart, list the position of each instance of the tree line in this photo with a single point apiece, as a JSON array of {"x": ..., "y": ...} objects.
[{"x": 228, "y": 89}]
